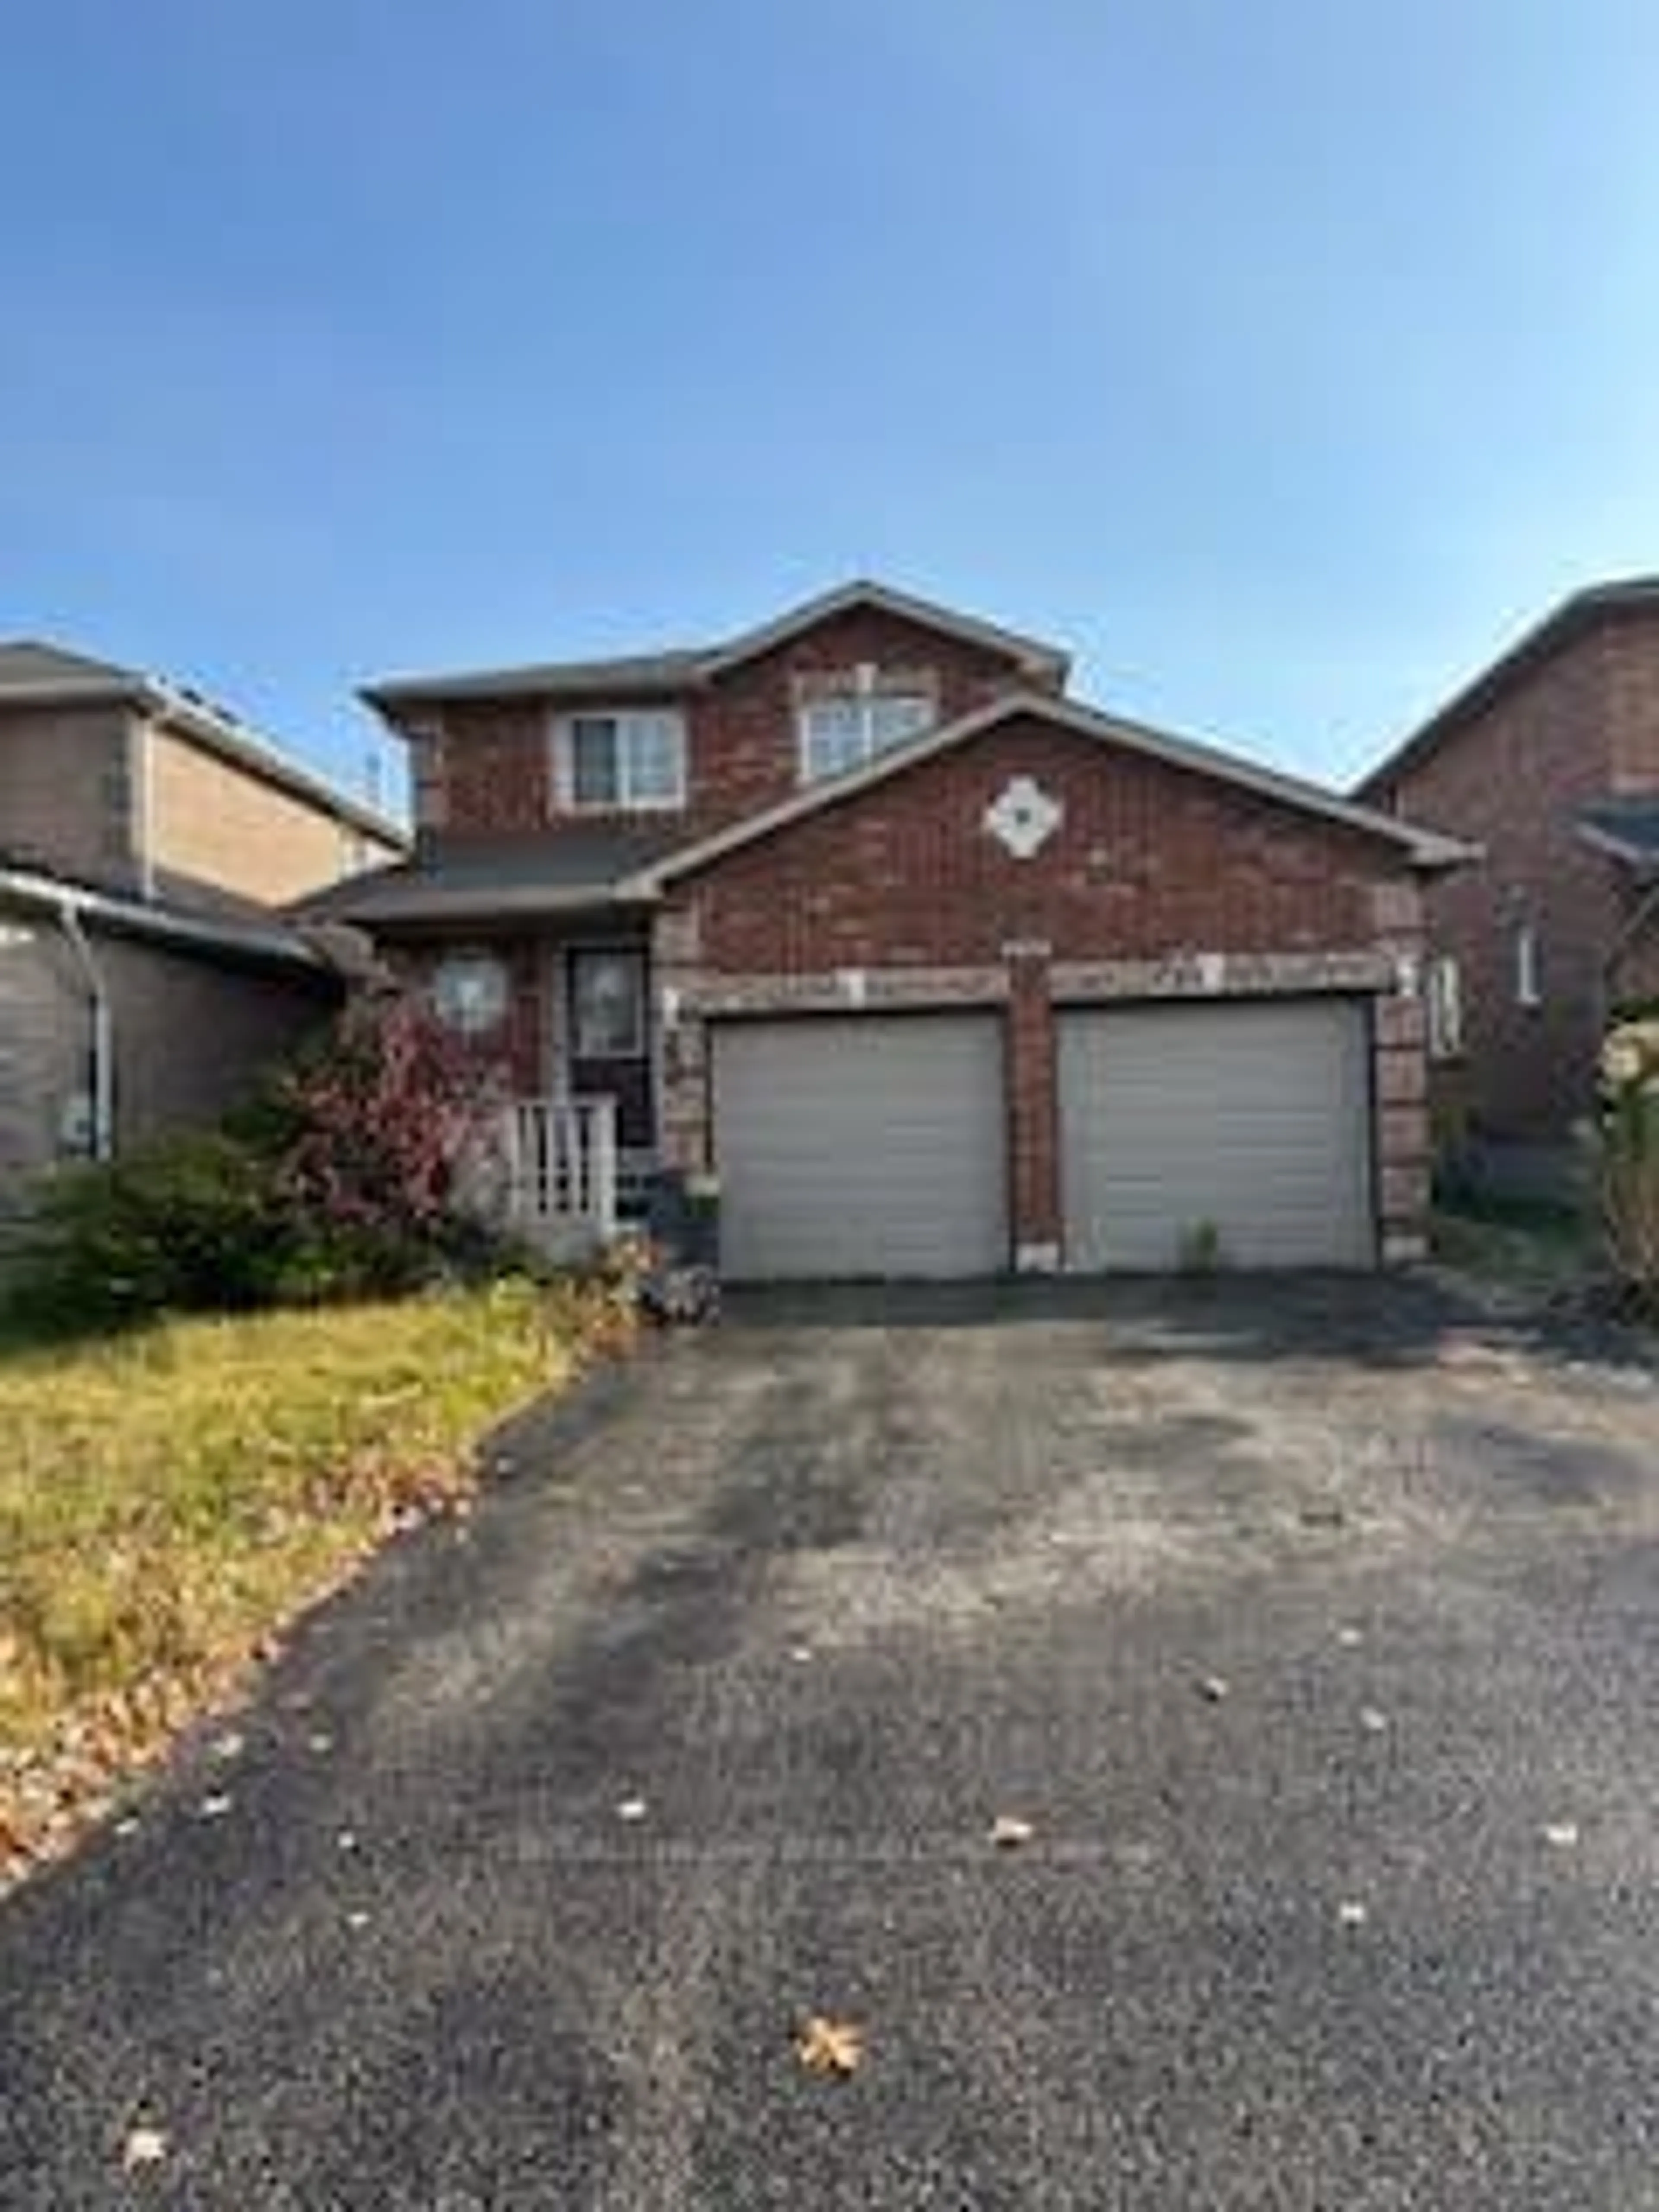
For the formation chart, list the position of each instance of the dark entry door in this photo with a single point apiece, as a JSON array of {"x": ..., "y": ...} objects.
[{"x": 608, "y": 1006}]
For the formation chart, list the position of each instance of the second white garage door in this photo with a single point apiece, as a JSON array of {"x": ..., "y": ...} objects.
[
  {"x": 868, "y": 1146},
  {"x": 1251, "y": 1121}
]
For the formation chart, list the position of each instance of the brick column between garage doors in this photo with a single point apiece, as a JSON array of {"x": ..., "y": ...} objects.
[{"x": 1033, "y": 1113}]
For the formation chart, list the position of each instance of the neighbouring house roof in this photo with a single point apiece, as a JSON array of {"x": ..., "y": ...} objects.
[
  {"x": 1569, "y": 620},
  {"x": 683, "y": 668},
  {"x": 1422, "y": 848},
  {"x": 1625, "y": 827},
  {"x": 33, "y": 673},
  {"x": 477, "y": 880},
  {"x": 244, "y": 934}
]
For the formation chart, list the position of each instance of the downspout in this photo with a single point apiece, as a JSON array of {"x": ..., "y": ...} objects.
[{"x": 103, "y": 1042}]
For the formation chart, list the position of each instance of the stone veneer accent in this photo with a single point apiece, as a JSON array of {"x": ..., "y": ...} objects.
[{"x": 1028, "y": 987}]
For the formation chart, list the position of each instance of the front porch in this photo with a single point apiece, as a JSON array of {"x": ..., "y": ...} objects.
[
  {"x": 569, "y": 1022},
  {"x": 561, "y": 1188}
]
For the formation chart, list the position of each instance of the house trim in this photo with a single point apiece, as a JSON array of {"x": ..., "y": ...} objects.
[{"x": 132, "y": 917}]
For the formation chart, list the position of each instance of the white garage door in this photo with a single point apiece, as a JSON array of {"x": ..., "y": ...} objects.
[
  {"x": 870, "y": 1145},
  {"x": 1250, "y": 1122}
]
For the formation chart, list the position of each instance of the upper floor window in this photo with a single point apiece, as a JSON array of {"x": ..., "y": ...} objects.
[
  {"x": 1528, "y": 985},
  {"x": 847, "y": 723},
  {"x": 1445, "y": 1008},
  {"x": 627, "y": 759}
]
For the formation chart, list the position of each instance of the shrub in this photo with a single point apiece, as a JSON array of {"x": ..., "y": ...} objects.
[
  {"x": 1628, "y": 1155},
  {"x": 379, "y": 1126},
  {"x": 342, "y": 1179},
  {"x": 190, "y": 1222}
]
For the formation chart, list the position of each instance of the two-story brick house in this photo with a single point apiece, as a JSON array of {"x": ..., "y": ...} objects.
[
  {"x": 147, "y": 842},
  {"x": 938, "y": 969},
  {"x": 1548, "y": 762}
]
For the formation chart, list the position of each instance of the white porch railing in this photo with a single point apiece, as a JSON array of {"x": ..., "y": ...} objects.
[{"x": 560, "y": 1161}]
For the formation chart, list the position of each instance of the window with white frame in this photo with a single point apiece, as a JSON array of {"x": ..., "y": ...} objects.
[
  {"x": 1444, "y": 999},
  {"x": 1528, "y": 987},
  {"x": 620, "y": 760},
  {"x": 844, "y": 726}
]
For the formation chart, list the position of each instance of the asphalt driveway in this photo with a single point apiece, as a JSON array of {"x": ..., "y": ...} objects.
[{"x": 1314, "y": 1629}]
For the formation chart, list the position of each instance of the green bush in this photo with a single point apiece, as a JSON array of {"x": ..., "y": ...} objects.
[
  {"x": 338, "y": 1182},
  {"x": 1628, "y": 1157},
  {"x": 189, "y": 1222}
]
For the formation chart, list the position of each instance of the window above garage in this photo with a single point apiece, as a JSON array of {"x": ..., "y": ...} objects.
[{"x": 848, "y": 718}]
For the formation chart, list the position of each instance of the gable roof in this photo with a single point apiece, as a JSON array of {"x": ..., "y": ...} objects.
[
  {"x": 34, "y": 673},
  {"x": 683, "y": 668},
  {"x": 1568, "y": 620},
  {"x": 1422, "y": 848}
]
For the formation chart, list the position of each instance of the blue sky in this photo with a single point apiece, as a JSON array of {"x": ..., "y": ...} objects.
[{"x": 1282, "y": 358}]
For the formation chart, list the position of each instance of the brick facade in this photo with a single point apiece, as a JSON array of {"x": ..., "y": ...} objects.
[
  {"x": 96, "y": 791},
  {"x": 1157, "y": 883},
  {"x": 67, "y": 792},
  {"x": 483, "y": 768},
  {"x": 1510, "y": 773},
  {"x": 96, "y": 795},
  {"x": 191, "y": 1030},
  {"x": 213, "y": 823}
]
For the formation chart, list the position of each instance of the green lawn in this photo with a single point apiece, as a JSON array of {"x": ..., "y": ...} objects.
[{"x": 168, "y": 1499}]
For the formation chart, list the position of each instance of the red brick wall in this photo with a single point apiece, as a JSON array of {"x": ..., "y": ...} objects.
[
  {"x": 489, "y": 771},
  {"x": 1149, "y": 860},
  {"x": 1511, "y": 780},
  {"x": 521, "y": 1044}
]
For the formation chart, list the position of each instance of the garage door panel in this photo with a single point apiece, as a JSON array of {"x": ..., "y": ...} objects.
[
  {"x": 1254, "y": 1118},
  {"x": 868, "y": 1146}
]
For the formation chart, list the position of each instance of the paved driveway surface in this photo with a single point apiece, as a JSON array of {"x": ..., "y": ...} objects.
[{"x": 829, "y": 1590}]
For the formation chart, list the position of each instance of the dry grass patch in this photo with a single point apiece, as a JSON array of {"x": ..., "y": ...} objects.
[{"x": 168, "y": 1500}]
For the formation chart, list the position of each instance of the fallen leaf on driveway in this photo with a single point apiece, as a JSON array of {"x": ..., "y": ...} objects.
[
  {"x": 829, "y": 2046},
  {"x": 1563, "y": 1834},
  {"x": 1372, "y": 1721},
  {"x": 1350, "y": 1637},
  {"x": 1352, "y": 1914},
  {"x": 1214, "y": 1687},
  {"x": 215, "y": 1808},
  {"x": 144, "y": 2146},
  {"x": 1008, "y": 1832},
  {"x": 229, "y": 1745},
  {"x": 1323, "y": 1513},
  {"x": 631, "y": 1809}
]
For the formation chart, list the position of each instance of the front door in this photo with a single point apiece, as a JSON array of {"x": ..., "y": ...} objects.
[{"x": 608, "y": 1023}]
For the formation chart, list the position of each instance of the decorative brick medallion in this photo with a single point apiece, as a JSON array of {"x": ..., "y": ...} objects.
[{"x": 1022, "y": 817}]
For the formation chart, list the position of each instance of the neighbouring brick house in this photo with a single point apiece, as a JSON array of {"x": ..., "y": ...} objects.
[
  {"x": 1548, "y": 762},
  {"x": 937, "y": 970},
  {"x": 146, "y": 841}
]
